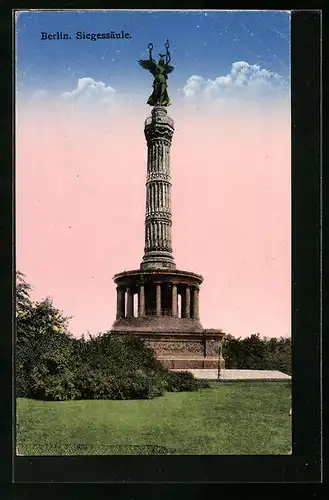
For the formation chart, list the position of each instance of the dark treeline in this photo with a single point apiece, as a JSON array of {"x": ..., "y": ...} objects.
[
  {"x": 258, "y": 353},
  {"x": 51, "y": 364}
]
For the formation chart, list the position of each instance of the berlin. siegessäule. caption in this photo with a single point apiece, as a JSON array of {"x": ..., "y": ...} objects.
[{"x": 83, "y": 35}]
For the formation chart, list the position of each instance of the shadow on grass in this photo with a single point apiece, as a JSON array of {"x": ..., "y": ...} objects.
[{"x": 50, "y": 449}]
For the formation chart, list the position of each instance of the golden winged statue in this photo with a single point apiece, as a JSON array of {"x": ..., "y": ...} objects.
[{"x": 160, "y": 71}]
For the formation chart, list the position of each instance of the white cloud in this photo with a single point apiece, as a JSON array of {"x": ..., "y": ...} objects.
[
  {"x": 90, "y": 91},
  {"x": 244, "y": 81},
  {"x": 88, "y": 95},
  {"x": 40, "y": 95}
]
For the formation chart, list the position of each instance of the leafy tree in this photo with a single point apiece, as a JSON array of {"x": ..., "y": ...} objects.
[
  {"x": 258, "y": 353},
  {"x": 43, "y": 345},
  {"x": 23, "y": 301},
  {"x": 22, "y": 288}
]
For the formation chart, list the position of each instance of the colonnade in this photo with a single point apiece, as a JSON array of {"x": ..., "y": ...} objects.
[{"x": 189, "y": 301}]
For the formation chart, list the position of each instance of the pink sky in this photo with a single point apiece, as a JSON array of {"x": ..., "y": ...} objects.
[{"x": 80, "y": 200}]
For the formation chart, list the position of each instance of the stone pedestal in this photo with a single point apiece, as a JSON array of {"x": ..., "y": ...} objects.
[{"x": 184, "y": 350}]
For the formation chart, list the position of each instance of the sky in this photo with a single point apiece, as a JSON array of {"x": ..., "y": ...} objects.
[{"x": 81, "y": 160}]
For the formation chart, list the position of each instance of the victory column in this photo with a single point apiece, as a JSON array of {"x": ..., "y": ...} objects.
[{"x": 174, "y": 332}]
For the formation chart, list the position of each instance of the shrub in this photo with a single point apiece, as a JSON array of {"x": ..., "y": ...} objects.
[
  {"x": 54, "y": 387},
  {"x": 143, "y": 385},
  {"x": 183, "y": 381},
  {"x": 97, "y": 385},
  {"x": 126, "y": 368}
]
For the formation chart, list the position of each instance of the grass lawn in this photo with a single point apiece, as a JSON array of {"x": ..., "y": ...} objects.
[{"x": 229, "y": 418}]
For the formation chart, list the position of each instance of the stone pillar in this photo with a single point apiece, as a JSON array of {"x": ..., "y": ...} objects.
[
  {"x": 182, "y": 303},
  {"x": 141, "y": 302},
  {"x": 196, "y": 303},
  {"x": 187, "y": 302},
  {"x": 159, "y": 130},
  {"x": 158, "y": 299},
  {"x": 130, "y": 303},
  {"x": 120, "y": 303},
  {"x": 174, "y": 306}
]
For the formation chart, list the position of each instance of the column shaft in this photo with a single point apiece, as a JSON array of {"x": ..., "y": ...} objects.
[
  {"x": 187, "y": 302},
  {"x": 174, "y": 305},
  {"x": 159, "y": 129},
  {"x": 196, "y": 303},
  {"x": 130, "y": 303},
  {"x": 158, "y": 299},
  {"x": 141, "y": 311},
  {"x": 120, "y": 303}
]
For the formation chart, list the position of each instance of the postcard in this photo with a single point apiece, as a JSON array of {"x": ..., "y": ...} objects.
[{"x": 153, "y": 233}]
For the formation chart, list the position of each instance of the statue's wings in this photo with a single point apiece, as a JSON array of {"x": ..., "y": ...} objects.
[
  {"x": 149, "y": 64},
  {"x": 169, "y": 68}
]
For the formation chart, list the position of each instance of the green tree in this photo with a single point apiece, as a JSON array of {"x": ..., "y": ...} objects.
[
  {"x": 43, "y": 346},
  {"x": 258, "y": 353},
  {"x": 23, "y": 289}
]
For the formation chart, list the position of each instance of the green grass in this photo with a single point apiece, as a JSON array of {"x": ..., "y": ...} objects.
[{"x": 228, "y": 418}]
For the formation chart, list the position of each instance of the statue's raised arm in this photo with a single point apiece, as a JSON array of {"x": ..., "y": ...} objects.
[
  {"x": 149, "y": 64},
  {"x": 168, "y": 56},
  {"x": 169, "y": 68},
  {"x": 160, "y": 71}
]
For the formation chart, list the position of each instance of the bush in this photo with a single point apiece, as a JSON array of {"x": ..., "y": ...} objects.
[
  {"x": 143, "y": 385},
  {"x": 183, "y": 381},
  {"x": 126, "y": 368},
  {"x": 97, "y": 385}
]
